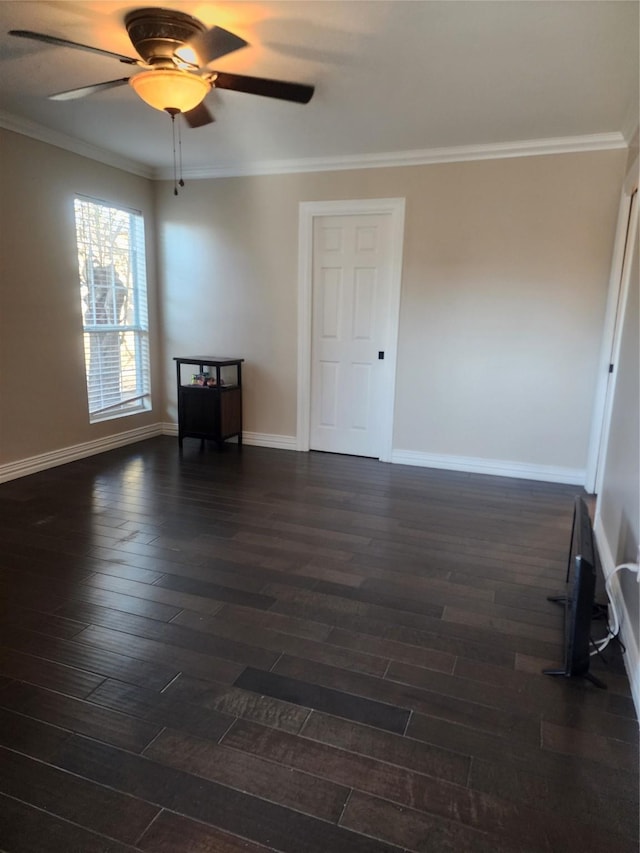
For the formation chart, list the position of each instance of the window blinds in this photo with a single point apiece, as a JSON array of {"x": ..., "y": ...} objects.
[{"x": 113, "y": 291}]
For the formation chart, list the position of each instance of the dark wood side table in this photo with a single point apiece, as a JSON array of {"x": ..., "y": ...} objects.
[{"x": 211, "y": 413}]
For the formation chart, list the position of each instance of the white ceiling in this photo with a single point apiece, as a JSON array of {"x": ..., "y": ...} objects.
[{"x": 390, "y": 76}]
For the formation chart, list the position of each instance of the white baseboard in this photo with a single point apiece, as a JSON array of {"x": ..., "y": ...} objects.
[
  {"x": 257, "y": 439},
  {"x": 33, "y": 464},
  {"x": 265, "y": 439},
  {"x": 494, "y": 467},
  {"x": 632, "y": 655}
]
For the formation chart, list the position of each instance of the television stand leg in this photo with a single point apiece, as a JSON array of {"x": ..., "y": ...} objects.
[
  {"x": 595, "y": 681},
  {"x": 589, "y": 677}
]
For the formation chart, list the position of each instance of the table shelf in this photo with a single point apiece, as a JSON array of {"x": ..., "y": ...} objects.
[{"x": 210, "y": 412}]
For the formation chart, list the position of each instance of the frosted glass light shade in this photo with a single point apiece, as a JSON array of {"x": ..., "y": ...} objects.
[{"x": 167, "y": 89}]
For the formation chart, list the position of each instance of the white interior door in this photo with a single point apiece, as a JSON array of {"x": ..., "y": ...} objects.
[
  {"x": 350, "y": 292},
  {"x": 315, "y": 263}
]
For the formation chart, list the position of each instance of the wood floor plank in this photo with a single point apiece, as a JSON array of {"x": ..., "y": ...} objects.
[
  {"x": 569, "y": 740},
  {"x": 518, "y": 755},
  {"x": 59, "y": 597},
  {"x": 172, "y": 832},
  {"x": 151, "y": 593},
  {"x": 279, "y": 642},
  {"x": 343, "y": 704},
  {"x": 96, "y": 660},
  {"x": 76, "y": 715},
  {"x": 25, "y": 829},
  {"x": 418, "y": 831},
  {"x": 367, "y": 595},
  {"x": 167, "y": 563},
  {"x": 305, "y": 628},
  {"x": 220, "y": 551},
  {"x": 375, "y": 619},
  {"x": 284, "y": 829},
  {"x": 178, "y": 634},
  {"x": 128, "y": 604},
  {"x": 243, "y": 704},
  {"x": 570, "y": 797},
  {"x": 41, "y": 673},
  {"x": 401, "y": 585},
  {"x": 412, "y": 613},
  {"x": 432, "y": 760},
  {"x": 621, "y": 706},
  {"x": 30, "y": 736},
  {"x": 511, "y": 697},
  {"x": 215, "y": 591},
  {"x": 151, "y": 651},
  {"x": 392, "y": 783},
  {"x": 24, "y": 595},
  {"x": 72, "y": 798},
  {"x": 15, "y": 616},
  {"x": 121, "y": 570},
  {"x": 244, "y": 575},
  {"x": 502, "y": 625},
  {"x": 162, "y": 709},
  {"x": 542, "y": 696},
  {"x": 20, "y": 553},
  {"x": 483, "y": 717},
  {"x": 306, "y": 792},
  {"x": 396, "y": 651},
  {"x": 431, "y": 641}
]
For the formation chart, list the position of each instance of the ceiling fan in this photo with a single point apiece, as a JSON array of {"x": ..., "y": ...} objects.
[{"x": 175, "y": 50}]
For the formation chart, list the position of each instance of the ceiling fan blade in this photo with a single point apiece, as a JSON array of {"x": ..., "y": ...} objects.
[
  {"x": 73, "y": 94},
  {"x": 199, "y": 116},
  {"x": 28, "y": 34},
  {"x": 214, "y": 43},
  {"x": 297, "y": 92}
]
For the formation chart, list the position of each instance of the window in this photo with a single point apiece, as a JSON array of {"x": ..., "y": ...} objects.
[{"x": 113, "y": 290}]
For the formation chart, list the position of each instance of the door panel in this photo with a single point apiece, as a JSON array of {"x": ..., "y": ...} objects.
[
  {"x": 364, "y": 304},
  {"x": 350, "y": 286},
  {"x": 329, "y": 299},
  {"x": 360, "y": 396},
  {"x": 328, "y": 392}
]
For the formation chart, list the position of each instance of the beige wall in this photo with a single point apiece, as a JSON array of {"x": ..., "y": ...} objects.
[
  {"x": 43, "y": 404},
  {"x": 506, "y": 266}
]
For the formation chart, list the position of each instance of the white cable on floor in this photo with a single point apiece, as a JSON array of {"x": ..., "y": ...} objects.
[{"x": 612, "y": 631}]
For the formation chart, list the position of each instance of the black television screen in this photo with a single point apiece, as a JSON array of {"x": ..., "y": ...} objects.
[{"x": 578, "y": 600}]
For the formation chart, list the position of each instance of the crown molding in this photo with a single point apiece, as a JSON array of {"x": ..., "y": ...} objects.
[
  {"x": 69, "y": 143},
  {"x": 425, "y": 157},
  {"x": 390, "y": 159}
]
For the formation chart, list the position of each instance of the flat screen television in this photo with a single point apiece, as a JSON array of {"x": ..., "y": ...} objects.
[{"x": 579, "y": 598}]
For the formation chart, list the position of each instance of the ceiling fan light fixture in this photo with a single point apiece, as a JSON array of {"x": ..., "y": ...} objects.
[{"x": 170, "y": 89}]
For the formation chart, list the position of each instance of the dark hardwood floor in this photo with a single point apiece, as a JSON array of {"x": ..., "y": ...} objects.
[{"x": 305, "y": 653}]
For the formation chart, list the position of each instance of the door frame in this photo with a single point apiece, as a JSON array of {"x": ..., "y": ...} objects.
[
  {"x": 614, "y": 316},
  {"x": 308, "y": 212}
]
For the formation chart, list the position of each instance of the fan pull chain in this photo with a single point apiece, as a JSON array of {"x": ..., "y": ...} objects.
[
  {"x": 175, "y": 176},
  {"x": 180, "y": 182},
  {"x": 176, "y": 183}
]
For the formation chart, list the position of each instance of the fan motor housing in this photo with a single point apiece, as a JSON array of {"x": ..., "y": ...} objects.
[{"x": 157, "y": 33}]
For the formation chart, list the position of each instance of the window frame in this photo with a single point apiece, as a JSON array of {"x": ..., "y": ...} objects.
[{"x": 124, "y": 294}]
